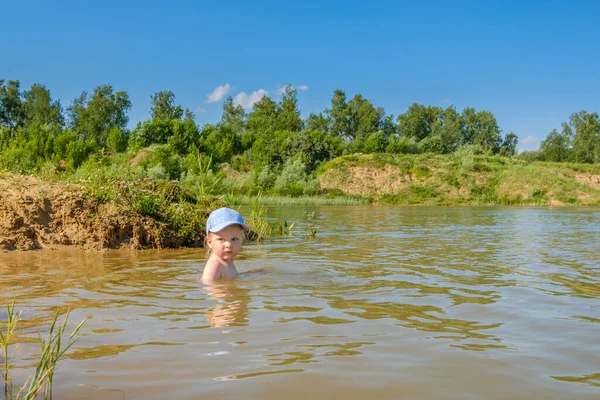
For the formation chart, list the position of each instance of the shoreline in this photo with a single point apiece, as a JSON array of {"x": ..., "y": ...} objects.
[{"x": 42, "y": 214}]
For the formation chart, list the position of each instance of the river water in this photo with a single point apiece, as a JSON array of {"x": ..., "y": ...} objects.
[{"x": 383, "y": 303}]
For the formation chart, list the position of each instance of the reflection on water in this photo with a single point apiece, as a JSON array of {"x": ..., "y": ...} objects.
[
  {"x": 231, "y": 307},
  {"x": 439, "y": 303}
]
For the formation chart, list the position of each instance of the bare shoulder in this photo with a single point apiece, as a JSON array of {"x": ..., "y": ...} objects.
[{"x": 212, "y": 270}]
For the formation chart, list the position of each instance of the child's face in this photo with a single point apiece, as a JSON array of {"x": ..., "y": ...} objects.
[{"x": 226, "y": 243}]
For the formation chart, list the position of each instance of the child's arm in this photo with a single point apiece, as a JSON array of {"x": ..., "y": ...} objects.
[{"x": 212, "y": 271}]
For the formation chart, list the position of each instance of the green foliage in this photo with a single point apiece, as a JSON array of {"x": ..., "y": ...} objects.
[
  {"x": 157, "y": 172},
  {"x": 485, "y": 193},
  {"x": 420, "y": 172},
  {"x": 451, "y": 179},
  {"x": 258, "y": 226},
  {"x": 557, "y": 145},
  {"x": 241, "y": 184},
  {"x": 283, "y": 228},
  {"x": 586, "y": 140},
  {"x": 537, "y": 192},
  {"x": 117, "y": 140},
  {"x": 40, "y": 109},
  {"x": 188, "y": 222},
  {"x": 241, "y": 162},
  {"x": 425, "y": 192},
  {"x": 201, "y": 181},
  {"x": 292, "y": 179},
  {"x": 12, "y": 112},
  {"x": 431, "y": 144},
  {"x": 288, "y": 118},
  {"x": 53, "y": 349},
  {"x": 150, "y": 132},
  {"x": 221, "y": 142},
  {"x": 464, "y": 158},
  {"x": 376, "y": 142},
  {"x": 234, "y": 116},
  {"x": 184, "y": 136},
  {"x": 531, "y": 156},
  {"x": 417, "y": 121},
  {"x": 403, "y": 145},
  {"x": 265, "y": 178},
  {"x": 314, "y": 147},
  {"x": 167, "y": 158},
  {"x": 509, "y": 145},
  {"x": 163, "y": 106},
  {"x": 92, "y": 117}
]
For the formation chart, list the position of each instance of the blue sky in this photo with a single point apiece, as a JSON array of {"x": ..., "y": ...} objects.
[{"x": 532, "y": 63}]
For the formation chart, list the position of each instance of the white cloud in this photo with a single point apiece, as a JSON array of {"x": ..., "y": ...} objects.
[
  {"x": 200, "y": 110},
  {"x": 218, "y": 93},
  {"x": 530, "y": 140},
  {"x": 248, "y": 100},
  {"x": 302, "y": 88}
]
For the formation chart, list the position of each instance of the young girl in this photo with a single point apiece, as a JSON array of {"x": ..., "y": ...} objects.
[{"x": 224, "y": 236}]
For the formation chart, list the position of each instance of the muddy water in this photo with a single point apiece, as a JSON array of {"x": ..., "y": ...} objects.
[{"x": 384, "y": 303}]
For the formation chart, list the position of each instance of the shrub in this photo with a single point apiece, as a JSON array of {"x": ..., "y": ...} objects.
[
  {"x": 157, "y": 172},
  {"x": 188, "y": 222},
  {"x": 265, "y": 178},
  {"x": 464, "y": 158},
  {"x": 292, "y": 179}
]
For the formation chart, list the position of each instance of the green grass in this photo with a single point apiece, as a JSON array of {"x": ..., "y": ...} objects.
[
  {"x": 469, "y": 179},
  {"x": 53, "y": 349},
  {"x": 302, "y": 200}
]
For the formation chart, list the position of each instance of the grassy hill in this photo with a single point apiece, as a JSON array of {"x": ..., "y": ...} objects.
[{"x": 461, "y": 178}]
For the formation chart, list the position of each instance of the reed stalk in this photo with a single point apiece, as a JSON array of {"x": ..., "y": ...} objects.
[{"x": 53, "y": 348}]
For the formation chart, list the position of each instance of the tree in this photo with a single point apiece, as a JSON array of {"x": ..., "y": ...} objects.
[
  {"x": 288, "y": 118},
  {"x": 481, "y": 128},
  {"x": 509, "y": 145},
  {"x": 448, "y": 127},
  {"x": 418, "y": 121},
  {"x": 263, "y": 117},
  {"x": 339, "y": 114},
  {"x": 184, "y": 135},
  {"x": 270, "y": 149},
  {"x": 150, "y": 132},
  {"x": 219, "y": 141},
  {"x": 320, "y": 123},
  {"x": 364, "y": 120},
  {"x": 163, "y": 106},
  {"x": 557, "y": 145},
  {"x": 12, "y": 114},
  {"x": 388, "y": 127},
  {"x": 116, "y": 140},
  {"x": 234, "y": 116},
  {"x": 376, "y": 142},
  {"x": 586, "y": 138},
  {"x": 40, "y": 109},
  {"x": 93, "y": 117},
  {"x": 314, "y": 147}
]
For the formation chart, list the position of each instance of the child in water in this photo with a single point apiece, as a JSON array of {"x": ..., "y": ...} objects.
[{"x": 224, "y": 236}]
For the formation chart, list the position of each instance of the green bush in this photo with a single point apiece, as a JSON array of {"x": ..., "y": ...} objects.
[
  {"x": 265, "y": 178},
  {"x": 157, "y": 172},
  {"x": 464, "y": 158},
  {"x": 292, "y": 179},
  {"x": 188, "y": 222}
]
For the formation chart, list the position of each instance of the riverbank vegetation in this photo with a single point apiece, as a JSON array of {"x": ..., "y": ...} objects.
[
  {"x": 163, "y": 176},
  {"x": 269, "y": 149}
]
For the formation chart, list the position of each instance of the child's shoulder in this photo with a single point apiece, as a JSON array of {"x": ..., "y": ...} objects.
[{"x": 212, "y": 269}]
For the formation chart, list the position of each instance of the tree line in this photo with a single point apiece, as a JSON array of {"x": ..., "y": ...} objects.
[{"x": 36, "y": 129}]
